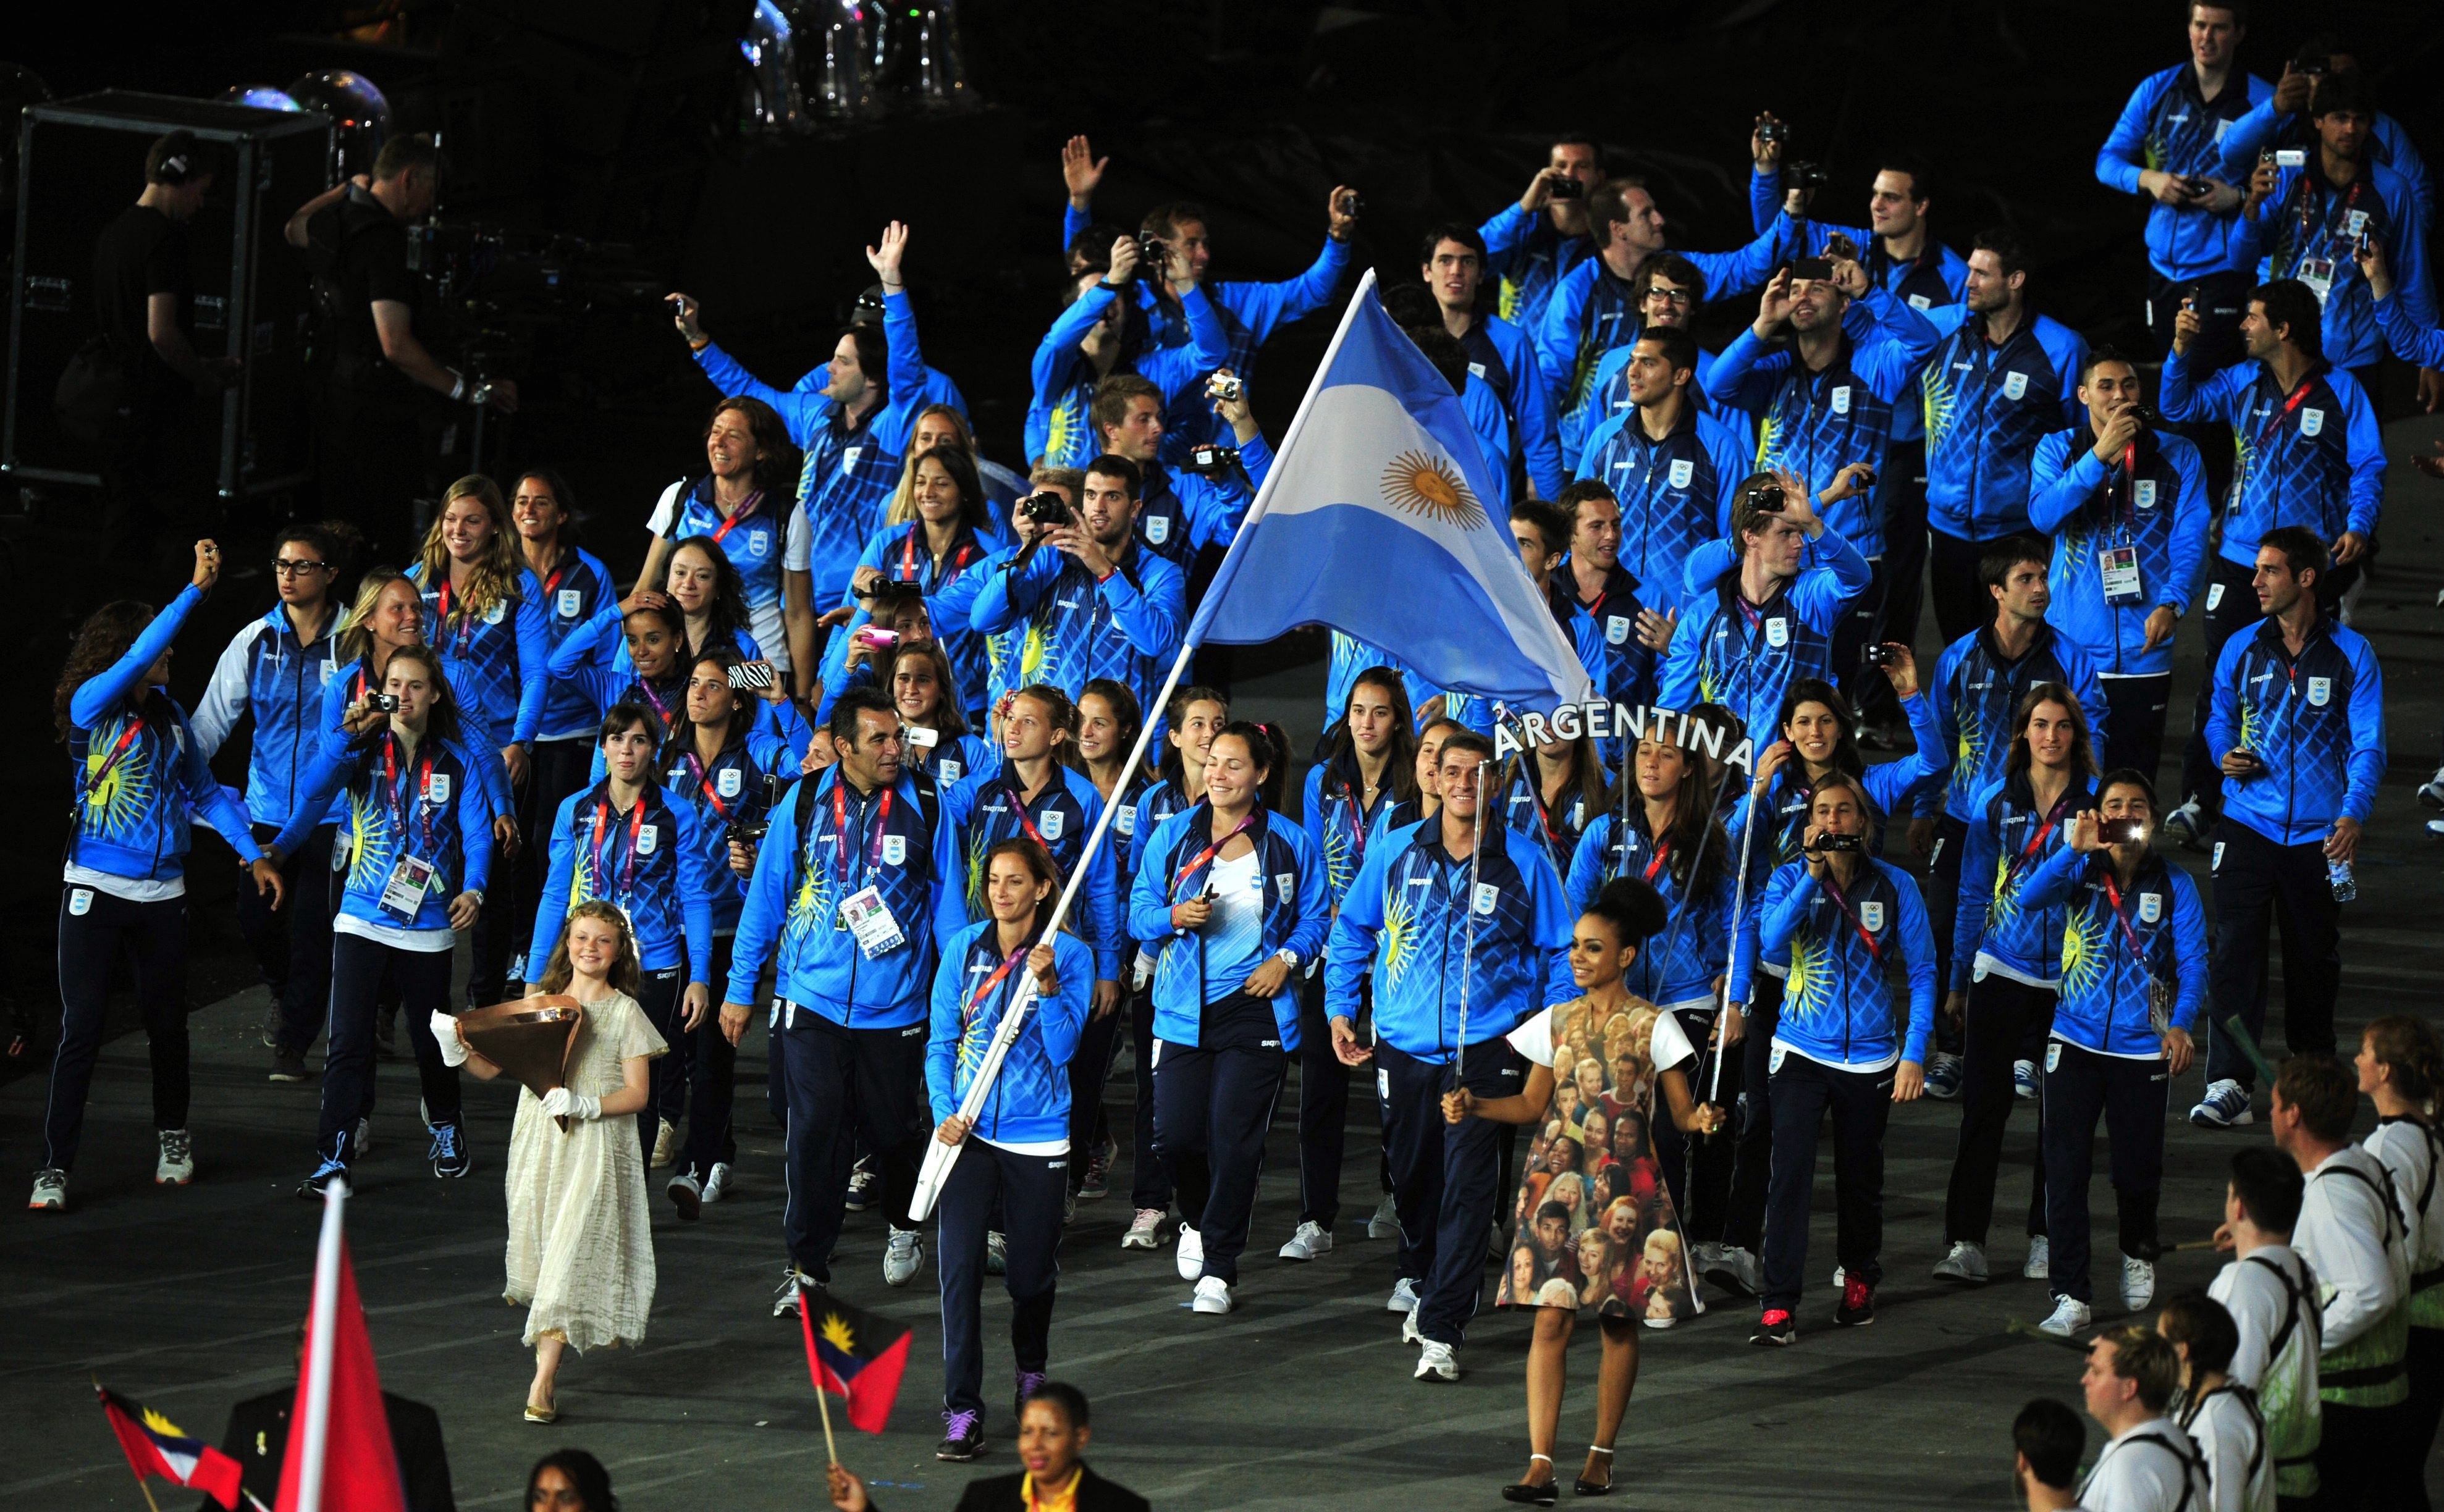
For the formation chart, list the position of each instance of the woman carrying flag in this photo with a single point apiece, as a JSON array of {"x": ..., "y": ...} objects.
[{"x": 1018, "y": 1150}]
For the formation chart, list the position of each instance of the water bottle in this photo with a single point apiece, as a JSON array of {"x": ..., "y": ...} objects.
[{"x": 2339, "y": 877}]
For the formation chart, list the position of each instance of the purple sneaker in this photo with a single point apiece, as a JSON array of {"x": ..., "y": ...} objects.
[
  {"x": 1027, "y": 1383},
  {"x": 963, "y": 1436}
]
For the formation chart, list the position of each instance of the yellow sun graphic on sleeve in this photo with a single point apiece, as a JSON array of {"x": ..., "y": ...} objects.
[
  {"x": 2005, "y": 905},
  {"x": 813, "y": 897},
  {"x": 113, "y": 806},
  {"x": 1806, "y": 990},
  {"x": 2084, "y": 958},
  {"x": 839, "y": 1335},
  {"x": 1769, "y": 441},
  {"x": 1032, "y": 653},
  {"x": 1399, "y": 930},
  {"x": 370, "y": 861},
  {"x": 1423, "y": 484}
]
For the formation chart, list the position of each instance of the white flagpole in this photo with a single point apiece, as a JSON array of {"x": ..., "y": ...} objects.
[
  {"x": 318, "y": 1359},
  {"x": 940, "y": 1157},
  {"x": 1739, "y": 905}
]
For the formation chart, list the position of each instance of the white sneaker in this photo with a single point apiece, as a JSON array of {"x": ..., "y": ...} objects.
[
  {"x": 2432, "y": 791},
  {"x": 1409, "y": 1333},
  {"x": 2024, "y": 1080},
  {"x": 1840, "y": 1276},
  {"x": 905, "y": 1254},
  {"x": 687, "y": 1195},
  {"x": 50, "y": 1191},
  {"x": 1435, "y": 1362},
  {"x": 1386, "y": 1222},
  {"x": 666, "y": 1145},
  {"x": 2038, "y": 1265},
  {"x": 1312, "y": 1240},
  {"x": 2069, "y": 1316},
  {"x": 1145, "y": 1230},
  {"x": 1190, "y": 1253},
  {"x": 716, "y": 1186},
  {"x": 2137, "y": 1282},
  {"x": 1404, "y": 1297},
  {"x": 1967, "y": 1262},
  {"x": 177, "y": 1164},
  {"x": 1212, "y": 1295}
]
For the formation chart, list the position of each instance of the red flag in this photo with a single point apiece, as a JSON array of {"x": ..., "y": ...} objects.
[
  {"x": 360, "y": 1469},
  {"x": 154, "y": 1446},
  {"x": 857, "y": 1356}
]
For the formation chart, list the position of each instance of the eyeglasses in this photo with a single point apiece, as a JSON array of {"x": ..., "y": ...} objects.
[
  {"x": 289, "y": 569},
  {"x": 1669, "y": 296}
]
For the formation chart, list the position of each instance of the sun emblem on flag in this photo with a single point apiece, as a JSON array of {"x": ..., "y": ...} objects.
[
  {"x": 838, "y": 1333},
  {"x": 1427, "y": 484}
]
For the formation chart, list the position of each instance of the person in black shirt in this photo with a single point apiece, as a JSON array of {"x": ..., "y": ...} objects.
[
  {"x": 380, "y": 379},
  {"x": 144, "y": 298}
]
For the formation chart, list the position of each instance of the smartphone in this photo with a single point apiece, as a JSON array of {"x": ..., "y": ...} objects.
[
  {"x": 2291, "y": 157},
  {"x": 2121, "y": 831},
  {"x": 1811, "y": 267},
  {"x": 875, "y": 635},
  {"x": 1564, "y": 188},
  {"x": 752, "y": 676},
  {"x": 921, "y": 736}
]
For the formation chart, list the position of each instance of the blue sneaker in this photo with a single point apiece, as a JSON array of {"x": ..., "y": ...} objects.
[
  {"x": 2024, "y": 1080},
  {"x": 451, "y": 1159},
  {"x": 311, "y": 1188},
  {"x": 2225, "y": 1106},
  {"x": 2187, "y": 824},
  {"x": 1943, "y": 1077}
]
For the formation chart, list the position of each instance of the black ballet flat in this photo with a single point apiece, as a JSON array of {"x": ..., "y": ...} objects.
[
  {"x": 1525, "y": 1495},
  {"x": 1583, "y": 1486}
]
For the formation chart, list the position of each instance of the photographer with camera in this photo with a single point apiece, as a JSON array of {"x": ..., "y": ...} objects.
[
  {"x": 1100, "y": 604},
  {"x": 2310, "y": 455},
  {"x": 1594, "y": 308},
  {"x": 1532, "y": 244},
  {"x": 1104, "y": 331},
  {"x": 1898, "y": 245},
  {"x": 1452, "y": 261},
  {"x": 2134, "y": 976},
  {"x": 2314, "y": 214},
  {"x": 1673, "y": 470},
  {"x": 2297, "y": 725},
  {"x": 370, "y": 307},
  {"x": 2167, "y": 146},
  {"x": 2278, "y": 122},
  {"x": 1199, "y": 501},
  {"x": 1999, "y": 379},
  {"x": 2125, "y": 503}
]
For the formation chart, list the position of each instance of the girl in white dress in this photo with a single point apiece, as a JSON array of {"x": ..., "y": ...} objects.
[{"x": 580, "y": 1256}]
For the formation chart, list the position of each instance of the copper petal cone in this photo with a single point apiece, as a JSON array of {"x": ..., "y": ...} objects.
[{"x": 530, "y": 1037}]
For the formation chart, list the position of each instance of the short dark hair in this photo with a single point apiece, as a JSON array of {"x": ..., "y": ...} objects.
[
  {"x": 1553, "y": 1210},
  {"x": 1071, "y": 1401},
  {"x": 1092, "y": 246},
  {"x": 1574, "y": 136},
  {"x": 2269, "y": 1187},
  {"x": 1608, "y": 202},
  {"x": 2300, "y": 549},
  {"x": 1995, "y": 566},
  {"x": 1850, "y": 781},
  {"x": 1112, "y": 464},
  {"x": 2102, "y": 353},
  {"x": 1467, "y": 739},
  {"x": 2347, "y": 89},
  {"x": 1452, "y": 231},
  {"x": 1548, "y": 520},
  {"x": 1113, "y": 395},
  {"x": 2291, "y": 304},
  {"x": 2010, "y": 251},
  {"x": 1682, "y": 272},
  {"x": 867, "y": 699},
  {"x": 1679, "y": 348},
  {"x": 1631, "y": 906},
  {"x": 2147, "y": 1359},
  {"x": 1163, "y": 221},
  {"x": 872, "y": 351},
  {"x": 175, "y": 159},
  {"x": 2239, "y": 9},
  {"x": 1922, "y": 178},
  {"x": 1747, "y": 519},
  {"x": 626, "y": 715},
  {"x": 2204, "y": 1326},
  {"x": 585, "y": 1474},
  {"x": 2325, "y": 1091},
  {"x": 334, "y": 540},
  {"x": 1442, "y": 351},
  {"x": 1578, "y": 491},
  {"x": 401, "y": 154},
  {"x": 2051, "y": 1438},
  {"x": 2128, "y": 777}
]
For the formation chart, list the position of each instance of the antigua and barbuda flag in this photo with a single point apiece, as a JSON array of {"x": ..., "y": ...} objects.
[
  {"x": 855, "y": 1354},
  {"x": 156, "y": 1446}
]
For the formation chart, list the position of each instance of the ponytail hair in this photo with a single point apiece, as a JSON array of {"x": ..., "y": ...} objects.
[{"x": 2408, "y": 1046}]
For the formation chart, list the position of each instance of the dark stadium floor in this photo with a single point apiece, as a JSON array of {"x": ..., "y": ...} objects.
[{"x": 185, "y": 1299}]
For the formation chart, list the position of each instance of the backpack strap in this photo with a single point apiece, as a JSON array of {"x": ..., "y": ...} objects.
[
  {"x": 2384, "y": 1189},
  {"x": 2194, "y": 1466},
  {"x": 2293, "y": 1296}
]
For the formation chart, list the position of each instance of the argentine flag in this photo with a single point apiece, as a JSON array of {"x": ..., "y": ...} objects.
[{"x": 1373, "y": 522}]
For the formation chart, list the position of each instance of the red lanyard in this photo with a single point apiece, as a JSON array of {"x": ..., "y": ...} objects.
[
  {"x": 398, "y": 798},
  {"x": 2309, "y": 219},
  {"x": 551, "y": 585},
  {"x": 1356, "y": 828},
  {"x": 907, "y": 557},
  {"x": 2274, "y": 423},
  {"x": 1211, "y": 851},
  {"x": 840, "y": 828},
  {"x": 703, "y": 786},
  {"x": 753, "y": 502},
  {"x": 660, "y": 705},
  {"x": 442, "y": 614},
  {"x": 2039, "y": 838},
  {"x": 1018, "y": 807},
  {"x": 2113, "y": 894},
  {"x": 126, "y": 739},
  {"x": 977, "y": 1003},
  {"x": 635, "y": 827},
  {"x": 1662, "y": 854},
  {"x": 1873, "y": 949}
]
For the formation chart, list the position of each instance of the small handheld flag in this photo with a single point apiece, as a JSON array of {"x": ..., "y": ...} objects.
[
  {"x": 156, "y": 1446},
  {"x": 853, "y": 1353}
]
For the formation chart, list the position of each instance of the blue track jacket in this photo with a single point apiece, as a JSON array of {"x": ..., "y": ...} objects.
[
  {"x": 1296, "y": 914},
  {"x": 2169, "y": 125},
  {"x": 2316, "y": 721},
  {"x": 2310, "y": 458},
  {"x": 2155, "y": 500},
  {"x": 2104, "y": 1005},
  {"x": 1029, "y": 1103}
]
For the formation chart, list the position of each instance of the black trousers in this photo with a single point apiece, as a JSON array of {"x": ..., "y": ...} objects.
[
  {"x": 710, "y": 1066},
  {"x": 1698, "y": 1167},
  {"x": 1324, "y": 1111},
  {"x": 1861, "y": 625},
  {"x": 489, "y": 961},
  {"x": 2079, "y": 1088},
  {"x": 360, "y": 970},
  {"x": 2420, "y": 1412},
  {"x": 1021, "y": 1195},
  {"x": 1803, "y": 1091},
  {"x": 841, "y": 1083},
  {"x": 2254, "y": 876},
  {"x": 94, "y": 929},
  {"x": 1088, "y": 1070},
  {"x": 2363, "y": 1460},
  {"x": 292, "y": 945},
  {"x": 2231, "y": 607},
  {"x": 1211, "y": 1109},
  {"x": 1900, "y": 495},
  {"x": 1149, "y": 1179},
  {"x": 1942, "y": 910},
  {"x": 1752, "y": 1120},
  {"x": 555, "y": 768},
  {"x": 2003, "y": 1017},
  {"x": 2222, "y": 300},
  {"x": 2134, "y": 731},
  {"x": 1444, "y": 1177},
  {"x": 658, "y": 994},
  {"x": 1961, "y": 601}
]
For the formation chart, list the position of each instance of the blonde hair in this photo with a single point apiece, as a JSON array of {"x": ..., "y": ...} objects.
[
  {"x": 494, "y": 579},
  {"x": 903, "y": 498},
  {"x": 354, "y": 642},
  {"x": 624, "y": 975}
]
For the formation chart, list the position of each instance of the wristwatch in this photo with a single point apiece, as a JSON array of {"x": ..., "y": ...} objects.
[{"x": 1287, "y": 957}]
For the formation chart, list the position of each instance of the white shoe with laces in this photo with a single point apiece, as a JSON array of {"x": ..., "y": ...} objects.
[
  {"x": 1311, "y": 1241},
  {"x": 1965, "y": 1262},
  {"x": 177, "y": 1164},
  {"x": 2039, "y": 1264},
  {"x": 666, "y": 1147},
  {"x": 2069, "y": 1316},
  {"x": 1404, "y": 1297},
  {"x": 716, "y": 1186},
  {"x": 50, "y": 1191},
  {"x": 1145, "y": 1230},
  {"x": 1386, "y": 1223},
  {"x": 903, "y": 1257},
  {"x": 2137, "y": 1282},
  {"x": 1409, "y": 1333},
  {"x": 1437, "y": 1362},
  {"x": 1212, "y": 1295},
  {"x": 1190, "y": 1254}
]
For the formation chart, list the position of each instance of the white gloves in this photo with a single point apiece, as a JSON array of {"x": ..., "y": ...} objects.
[
  {"x": 445, "y": 1032},
  {"x": 560, "y": 1103}
]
